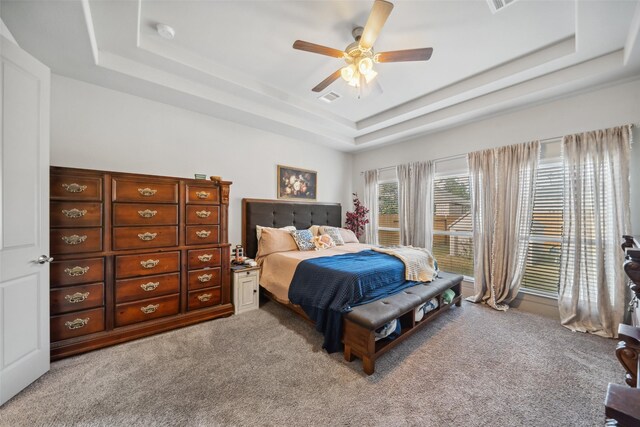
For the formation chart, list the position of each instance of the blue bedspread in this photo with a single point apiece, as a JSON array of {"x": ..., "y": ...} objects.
[{"x": 327, "y": 287}]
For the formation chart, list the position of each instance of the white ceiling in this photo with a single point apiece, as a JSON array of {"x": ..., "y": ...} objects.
[{"x": 233, "y": 59}]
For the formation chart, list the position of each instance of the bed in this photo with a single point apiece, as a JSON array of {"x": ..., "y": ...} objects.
[{"x": 364, "y": 275}]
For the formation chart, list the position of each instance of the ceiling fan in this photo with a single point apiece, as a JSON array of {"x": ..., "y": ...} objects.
[{"x": 359, "y": 55}]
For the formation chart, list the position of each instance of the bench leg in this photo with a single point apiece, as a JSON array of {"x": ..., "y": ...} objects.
[
  {"x": 459, "y": 303},
  {"x": 347, "y": 353},
  {"x": 368, "y": 365}
]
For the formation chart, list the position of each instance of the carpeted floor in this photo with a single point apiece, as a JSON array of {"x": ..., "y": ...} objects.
[{"x": 471, "y": 367}]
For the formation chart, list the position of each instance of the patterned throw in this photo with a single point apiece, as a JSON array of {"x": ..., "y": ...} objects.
[{"x": 420, "y": 265}]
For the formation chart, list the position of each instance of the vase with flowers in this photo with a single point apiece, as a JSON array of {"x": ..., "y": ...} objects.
[{"x": 357, "y": 219}]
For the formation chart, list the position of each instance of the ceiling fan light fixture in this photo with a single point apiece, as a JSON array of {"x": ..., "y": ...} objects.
[
  {"x": 370, "y": 76},
  {"x": 365, "y": 65},
  {"x": 348, "y": 72}
]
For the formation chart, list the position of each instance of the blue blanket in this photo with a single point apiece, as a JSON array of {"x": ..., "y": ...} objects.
[{"x": 327, "y": 287}]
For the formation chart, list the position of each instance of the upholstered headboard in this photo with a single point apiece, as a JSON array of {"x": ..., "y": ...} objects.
[{"x": 280, "y": 213}]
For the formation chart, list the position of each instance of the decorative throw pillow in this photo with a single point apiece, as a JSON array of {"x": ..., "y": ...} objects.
[
  {"x": 274, "y": 240},
  {"x": 334, "y": 232},
  {"x": 259, "y": 229},
  {"x": 348, "y": 236},
  {"x": 304, "y": 239},
  {"x": 315, "y": 230},
  {"x": 323, "y": 242}
]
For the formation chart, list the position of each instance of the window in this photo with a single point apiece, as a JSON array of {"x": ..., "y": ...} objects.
[
  {"x": 452, "y": 223},
  {"x": 542, "y": 266},
  {"x": 388, "y": 218}
]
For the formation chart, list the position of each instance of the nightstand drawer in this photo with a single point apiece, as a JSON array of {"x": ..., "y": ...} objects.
[
  {"x": 204, "y": 298},
  {"x": 75, "y": 214},
  {"x": 205, "y": 278}
]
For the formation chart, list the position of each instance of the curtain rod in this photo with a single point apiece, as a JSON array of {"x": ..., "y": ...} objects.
[{"x": 457, "y": 156}]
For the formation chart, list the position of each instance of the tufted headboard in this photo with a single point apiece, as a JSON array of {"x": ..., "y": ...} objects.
[{"x": 280, "y": 213}]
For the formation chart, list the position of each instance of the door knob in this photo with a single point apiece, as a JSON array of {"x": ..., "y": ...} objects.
[{"x": 44, "y": 258}]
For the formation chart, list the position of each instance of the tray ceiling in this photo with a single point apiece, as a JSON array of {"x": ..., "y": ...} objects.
[{"x": 233, "y": 59}]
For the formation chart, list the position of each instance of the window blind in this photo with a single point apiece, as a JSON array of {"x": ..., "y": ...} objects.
[{"x": 388, "y": 218}]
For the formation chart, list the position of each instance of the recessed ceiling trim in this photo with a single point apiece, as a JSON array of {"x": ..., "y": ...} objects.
[{"x": 91, "y": 33}]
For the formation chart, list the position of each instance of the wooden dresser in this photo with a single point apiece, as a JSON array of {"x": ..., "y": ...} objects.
[{"x": 134, "y": 255}]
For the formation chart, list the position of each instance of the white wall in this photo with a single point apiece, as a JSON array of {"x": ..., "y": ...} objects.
[
  {"x": 97, "y": 128},
  {"x": 611, "y": 106}
]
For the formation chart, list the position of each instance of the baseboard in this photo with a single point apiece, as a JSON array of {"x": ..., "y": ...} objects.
[{"x": 544, "y": 306}]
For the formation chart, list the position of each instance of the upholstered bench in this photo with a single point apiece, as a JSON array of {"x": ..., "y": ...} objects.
[{"x": 362, "y": 321}]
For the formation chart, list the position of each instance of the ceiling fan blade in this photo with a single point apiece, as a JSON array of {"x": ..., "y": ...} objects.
[
  {"x": 379, "y": 13},
  {"x": 405, "y": 55},
  {"x": 316, "y": 48},
  {"x": 326, "y": 82}
]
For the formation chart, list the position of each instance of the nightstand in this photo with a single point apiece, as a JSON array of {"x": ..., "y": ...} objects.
[{"x": 245, "y": 289}]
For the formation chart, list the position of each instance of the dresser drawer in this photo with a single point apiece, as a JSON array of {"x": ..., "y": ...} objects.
[
  {"x": 204, "y": 298},
  {"x": 202, "y": 234},
  {"x": 74, "y": 298},
  {"x": 75, "y": 240},
  {"x": 125, "y": 190},
  {"x": 75, "y": 187},
  {"x": 75, "y": 214},
  {"x": 73, "y": 272},
  {"x": 147, "y": 264},
  {"x": 204, "y": 278},
  {"x": 202, "y": 194},
  {"x": 201, "y": 258},
  {"x": 197, "y": 214},
  {"x": 76, "y": 324},
  {"x": 144, "y": 237},
  {"x": 144, "y": 214},
  {"x": 148, "y": 309},
  {"x": 147, "y": 287}
]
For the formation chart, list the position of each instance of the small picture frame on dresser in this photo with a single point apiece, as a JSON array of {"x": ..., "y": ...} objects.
[{"x": 200, "y": 176}]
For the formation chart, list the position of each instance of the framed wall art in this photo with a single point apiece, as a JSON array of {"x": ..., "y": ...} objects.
[{"x": 296, "y": 183}]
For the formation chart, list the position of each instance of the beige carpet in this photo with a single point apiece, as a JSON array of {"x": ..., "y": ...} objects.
[{"x": 472, "y": 367}]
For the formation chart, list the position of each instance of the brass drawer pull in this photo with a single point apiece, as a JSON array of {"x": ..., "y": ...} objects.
[
  {"x": 151, "y": 286},
  {"x": 150, "y": 263},
  {"x": 151, "y": 308},
  {"x": 74, "y": 239},
  {"x": 204, "y": 297},
  {"x": 205, "y": 277},
  {"x": 202, "y": 194},
  {"x": 205, "y": 257},
  {"x": 74, "y": 188},
  {"x": 77, "y": 297},
  {"x": 147, "y": 213},
  {"x": 147, "y": 236},
  {"x": 147, "y": 192},
  {"x": 203, "y": 214},
  {"x": 77, "y": 323},
  {"x": 76, "y": 271},
  {"x": 74, "y": 213},
  {"x": 203, "y": 234}
]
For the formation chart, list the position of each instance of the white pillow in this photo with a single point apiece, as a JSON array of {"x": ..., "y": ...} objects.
[
  {"x": 348, "y": 236},
  {"x": 259, "y": 229}
]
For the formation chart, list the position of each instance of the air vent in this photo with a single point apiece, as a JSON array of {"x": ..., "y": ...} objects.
[
  {"x": 497, "y": 5},
  {"x": 329, "y": 97}
]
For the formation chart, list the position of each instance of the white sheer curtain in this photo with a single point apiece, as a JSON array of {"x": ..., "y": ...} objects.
[
  {"x": 370, "y": 201},
  {"x": 593, "y": 290},
  {"x": 415, "y": 200},
  {"x": 502, "y": 190}
]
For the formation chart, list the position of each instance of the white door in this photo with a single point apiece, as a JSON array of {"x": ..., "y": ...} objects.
[{"x": 24, "y": 219}]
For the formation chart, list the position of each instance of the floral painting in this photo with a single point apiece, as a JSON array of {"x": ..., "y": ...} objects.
[{"x": 295, "y": 183}]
